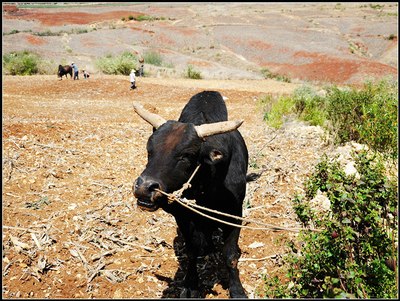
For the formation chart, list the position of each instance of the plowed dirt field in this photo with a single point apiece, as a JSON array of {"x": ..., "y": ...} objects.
[{"x": 71, "y": 151}]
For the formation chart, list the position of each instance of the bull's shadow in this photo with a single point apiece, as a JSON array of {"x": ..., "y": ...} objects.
[{"x": 211, "y": 269}]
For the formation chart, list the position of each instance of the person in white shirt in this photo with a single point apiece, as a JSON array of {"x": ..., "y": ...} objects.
[{"x": 133, "y": 79}]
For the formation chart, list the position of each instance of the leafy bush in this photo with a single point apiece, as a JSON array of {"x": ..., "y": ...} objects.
[
  {"x": 141, "y": 18},
  {"x": 268, "y": 74},
  {"x": 152, "y": 58},
  {"x": 15, "y": 31},
  {"x": 21, "y": 63},
  {"x": 49, "y": 33},
  {"x": 122, "y": 64},
  {"x": 190, "y": 72},
  {"x": 354, "y": 256},
  {"x": 27, "y": 63},
  {"x": 368, "y": 115},
  {"x": 277, "y": 110},
  {"x": 309, "y": 106}
]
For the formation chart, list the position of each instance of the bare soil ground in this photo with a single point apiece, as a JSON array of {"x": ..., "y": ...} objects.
[{"x": 71, "y": 151}]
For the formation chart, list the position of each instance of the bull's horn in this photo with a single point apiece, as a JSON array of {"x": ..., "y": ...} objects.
[
  {"x": 154, "y": 119},
  {"x": 209, "y": 129}
]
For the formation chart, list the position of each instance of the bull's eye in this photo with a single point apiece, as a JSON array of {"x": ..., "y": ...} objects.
[{"x": 183, "y": 159}]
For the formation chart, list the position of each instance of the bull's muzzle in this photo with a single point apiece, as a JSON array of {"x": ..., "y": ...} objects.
[{"x": 147, "y": 194}]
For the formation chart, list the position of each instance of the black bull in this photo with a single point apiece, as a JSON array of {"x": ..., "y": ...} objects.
[
  {"x": 202, "y": 136},
  {"x": 64, "y": 70}
]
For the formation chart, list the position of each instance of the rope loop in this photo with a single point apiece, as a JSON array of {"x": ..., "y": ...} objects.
[{"x": 176, "y": 196}]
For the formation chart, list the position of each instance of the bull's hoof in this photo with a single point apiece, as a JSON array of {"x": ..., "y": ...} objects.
[
  {"x": 189, "y": 293},
  {"x": 237, "y": 294}
]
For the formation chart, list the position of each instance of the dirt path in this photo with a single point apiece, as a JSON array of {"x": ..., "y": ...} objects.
[{"x": 71, "y": 151}]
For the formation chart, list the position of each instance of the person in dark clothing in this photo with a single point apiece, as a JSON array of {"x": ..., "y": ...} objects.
[
  {"x": 85, "y": 74},
  {"x": 141, "y": 68}
]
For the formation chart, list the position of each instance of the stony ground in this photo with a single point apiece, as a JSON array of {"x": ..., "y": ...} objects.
[{"x": 71, "y": 151}]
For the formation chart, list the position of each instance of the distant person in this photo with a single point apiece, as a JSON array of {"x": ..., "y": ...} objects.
[
  {"x": 76, "y": 70},
  {"x": 133, "y": 79},
  {"x": 85, "y": 74},
  {"x": 141, "y": 69}
]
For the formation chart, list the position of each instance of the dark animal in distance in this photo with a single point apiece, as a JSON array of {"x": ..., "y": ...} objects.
[
  {"x": 64, "y": 70},
  {"x": 201, "y": 136}
]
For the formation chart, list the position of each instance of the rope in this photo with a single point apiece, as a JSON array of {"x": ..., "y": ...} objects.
[{"x": 191, "y": 205}]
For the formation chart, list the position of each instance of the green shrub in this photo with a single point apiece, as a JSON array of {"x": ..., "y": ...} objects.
[
  {"x": 122, "y": 64},
  {"x": 152, "y": 58},
  {"x": 275, "y": 111},
  {"x": 144, "y": 18},
  {"x": 309, "y": 106},
  {"x": 21, "y": 63},
  {"x": 391, "y": 37},
  {"x": 268, "y": 74},
  {"x": 48, "y": 33},
  {"x": 367, "y": 116},
  {"x": 79, "y": 30},
  {"x": 190, "y": 72},
  {"x": 14, "y": 31},
  {"x": 376, "y": 6},
  {"x": 353, "y": 255}
]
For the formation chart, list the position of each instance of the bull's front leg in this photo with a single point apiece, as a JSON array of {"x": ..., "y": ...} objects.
[
  {"x": 231, "y": 254},
  {"x": 191, "y": 280}
]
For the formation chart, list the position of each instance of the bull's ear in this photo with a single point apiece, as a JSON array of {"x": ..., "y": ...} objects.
[
  {"x": 209, "y": 129},
  {"x": 155, "y": 120},
  {"x": 214, "y": 157}
]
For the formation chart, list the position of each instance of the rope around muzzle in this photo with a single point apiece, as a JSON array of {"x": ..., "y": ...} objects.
[{"x": 176, "y": 196}]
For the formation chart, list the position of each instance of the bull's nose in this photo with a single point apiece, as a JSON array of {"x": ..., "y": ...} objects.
[
  {"x": 137, "y": 184},
  {"x": 145, "y": 186},
  {"x": 152, "y": 186},
  {"x": 145, "y": 191}
]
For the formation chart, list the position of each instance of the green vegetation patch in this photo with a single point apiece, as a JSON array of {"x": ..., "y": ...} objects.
[
  {"x": 277, "y": 111},
  {"x": 153, "y": 58},
  {"x": 367, "y": 115},
  {"x": 120, "y": 64},
  {"x": 24, "y": 63},
  {"x": 279, "y": 77},
  {"x": 190, "y": 72},
  {"x": 354, "y": 255}
]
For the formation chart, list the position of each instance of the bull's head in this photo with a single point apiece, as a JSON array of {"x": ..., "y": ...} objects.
[
  {"x": 59, "y": 71},
  {"x": 173, "y": 154}
]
